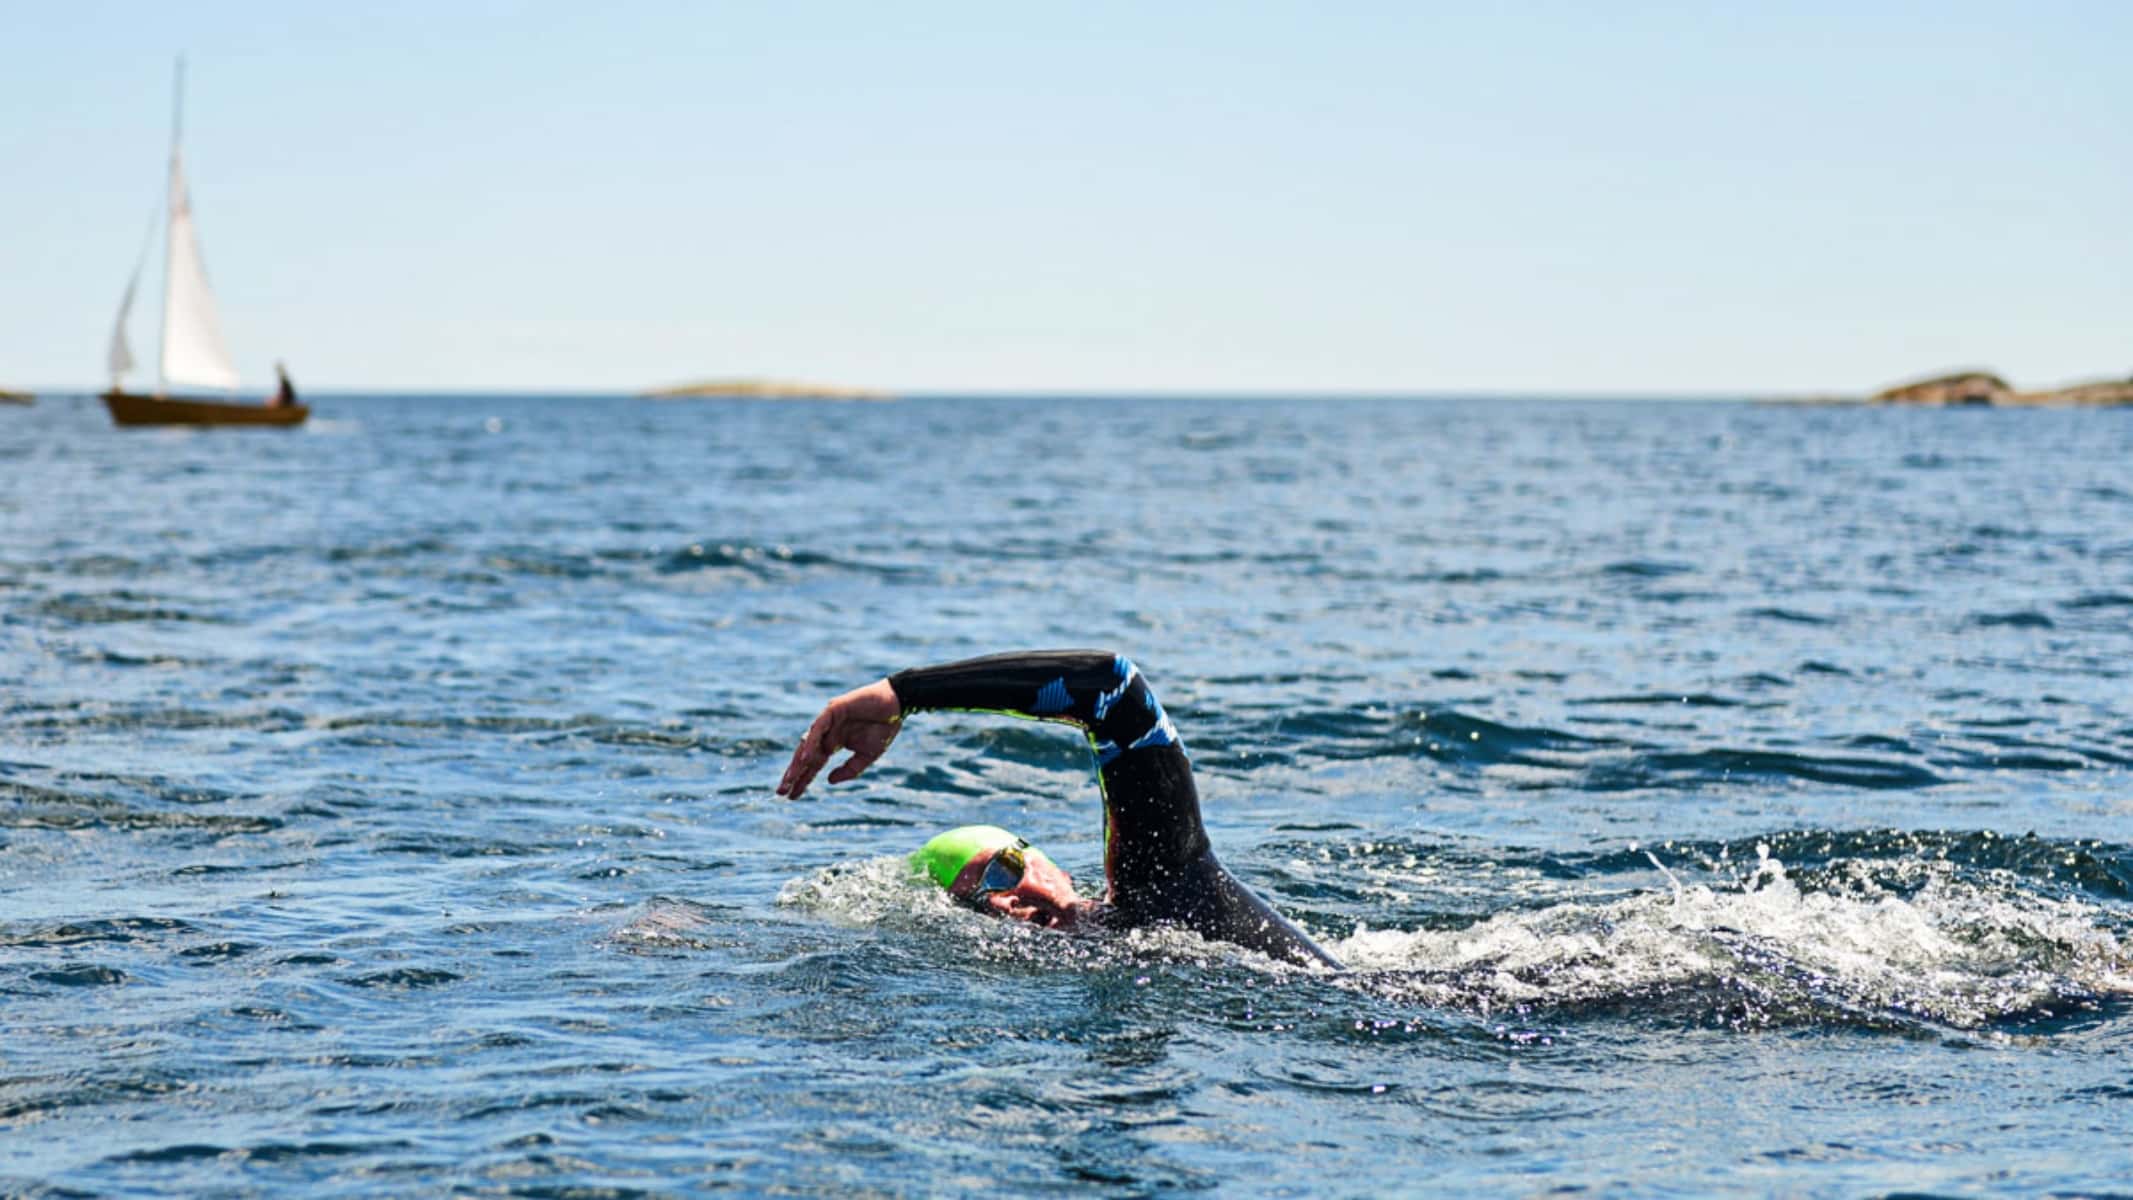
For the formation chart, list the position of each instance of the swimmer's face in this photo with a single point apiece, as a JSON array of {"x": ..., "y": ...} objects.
[{"x": 1045, "y": 896}]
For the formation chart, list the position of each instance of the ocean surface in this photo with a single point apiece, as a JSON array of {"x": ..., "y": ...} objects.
[{"x": 1708, "y": 799}]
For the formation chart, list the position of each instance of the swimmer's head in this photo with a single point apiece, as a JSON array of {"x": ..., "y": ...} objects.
[
  {"x": 992, "y": 870},
  {"x": 944, "y": 859}
]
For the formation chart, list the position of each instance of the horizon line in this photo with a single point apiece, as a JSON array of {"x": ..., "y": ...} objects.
[{"x": 1052, "y": 393}]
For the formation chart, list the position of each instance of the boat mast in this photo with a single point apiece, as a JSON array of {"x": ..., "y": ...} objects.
[{"x": 170, "y": 200}]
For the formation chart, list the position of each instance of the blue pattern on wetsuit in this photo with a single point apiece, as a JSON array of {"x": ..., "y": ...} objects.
[
  {"x": 1126, "y": 671},
  {"x": 1163, "y": 733},
  {"x": 1052, "y": 698},
  {"x": 1160, "y": 734}
]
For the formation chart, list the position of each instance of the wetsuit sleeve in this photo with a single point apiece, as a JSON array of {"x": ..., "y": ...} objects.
[{"x": 1151, "y": 810}]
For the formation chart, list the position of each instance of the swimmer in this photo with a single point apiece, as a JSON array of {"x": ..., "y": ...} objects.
[{"x": 1160, "y": 867}]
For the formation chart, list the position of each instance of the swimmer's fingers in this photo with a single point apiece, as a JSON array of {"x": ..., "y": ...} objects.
[
  {"x": 863, "y": 720},
  {"x": 807, "y": 758},
  {"x": 850, "y": 768}
]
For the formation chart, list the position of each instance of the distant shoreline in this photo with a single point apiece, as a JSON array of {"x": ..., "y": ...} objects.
[
  {"x": 1983, "y": 389},
  {"x": 762, "y": 389}
]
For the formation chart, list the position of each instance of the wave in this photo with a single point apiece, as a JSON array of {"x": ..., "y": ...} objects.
[
  {"x": 1351, "y": 734},
  {"x": 99, "y": 717},
  {"x": 266, "y": 1152},
  {"x": 81, "y": 975},
  {"x": 772, "y": 561},
  {"x": 1685, "y": 699},
  {"x": 2020, "y": 619},
  {"x": 1623, "y": 751},
  {"x": 389, "y": 728},
  {"x": 119, "y": 607},
  {"x": 31, "y": 806},
  {"x": 669, "y": 925},
  {"x": 1698, "y": 768},
  {"x": 1638, "y": 568},
  {"x": 121, "y": 930},
  {"x": 402, "y": 979},
  {"x": 434, "y": 559},
  {"x": 1789, "y": 616}
]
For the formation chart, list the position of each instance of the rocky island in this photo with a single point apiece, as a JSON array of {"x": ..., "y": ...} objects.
[
  {"x": 763, "y": 389},
  {"x": 1983, "y": 388}
]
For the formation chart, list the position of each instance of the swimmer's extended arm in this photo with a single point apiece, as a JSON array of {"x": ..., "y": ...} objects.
[
  {"x": 1151, "y": 809},
  {"x": 1100, "y": 692}
]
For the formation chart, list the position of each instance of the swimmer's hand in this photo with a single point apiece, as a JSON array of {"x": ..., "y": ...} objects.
[{"x": 863, "y": 721}]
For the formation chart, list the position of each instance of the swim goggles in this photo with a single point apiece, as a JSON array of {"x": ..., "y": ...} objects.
[{"x": 1004, "y": 872}]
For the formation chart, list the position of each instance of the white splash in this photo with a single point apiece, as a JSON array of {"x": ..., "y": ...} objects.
[
  {"x": 872, "y": 891},
  {"x": 1760, "y": 949}
]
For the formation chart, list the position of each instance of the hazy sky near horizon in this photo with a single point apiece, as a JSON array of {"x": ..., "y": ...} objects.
[{"x": 1557, "y": 198}]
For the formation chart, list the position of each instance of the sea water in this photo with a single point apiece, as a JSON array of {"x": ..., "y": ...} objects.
[{"x": 1707, "y": 798}]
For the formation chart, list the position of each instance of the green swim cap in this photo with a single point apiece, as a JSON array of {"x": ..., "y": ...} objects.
[{"x": 944, "y": 858}]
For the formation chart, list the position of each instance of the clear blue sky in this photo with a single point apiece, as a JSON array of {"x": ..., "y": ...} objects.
[{"x": 1564, "y": 198}]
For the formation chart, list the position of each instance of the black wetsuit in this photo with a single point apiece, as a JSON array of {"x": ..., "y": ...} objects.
[{"x": 1157, "y": 859}]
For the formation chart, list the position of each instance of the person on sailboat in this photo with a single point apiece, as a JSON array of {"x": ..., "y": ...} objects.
[
  {"x": 284, "y": 394},
  {"x": 1158, "y": 862}
]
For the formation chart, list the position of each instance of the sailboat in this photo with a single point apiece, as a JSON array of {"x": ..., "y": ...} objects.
[{"x": 194, "y": 353}]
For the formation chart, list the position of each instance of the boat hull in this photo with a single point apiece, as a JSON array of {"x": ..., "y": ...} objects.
[{"x": 131, "y": 408}]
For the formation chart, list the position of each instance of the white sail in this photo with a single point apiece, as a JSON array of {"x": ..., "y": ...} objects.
[
  {"x": 120, "y": 358},
  {"x": 193, "y": 349}
]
